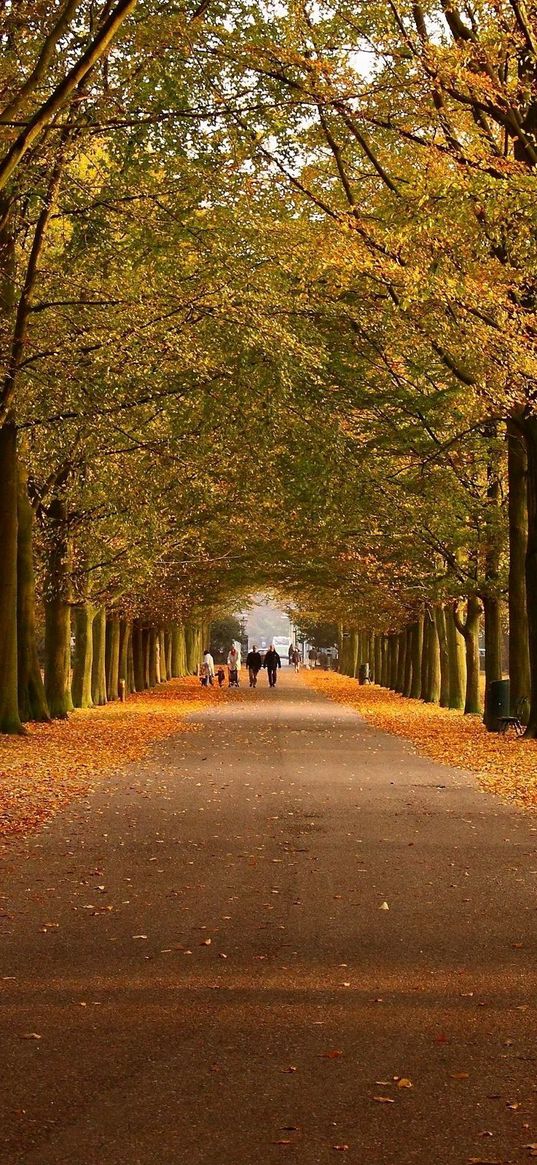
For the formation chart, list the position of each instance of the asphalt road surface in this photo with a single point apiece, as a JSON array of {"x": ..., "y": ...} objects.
[{"x": 202, "y": 950}]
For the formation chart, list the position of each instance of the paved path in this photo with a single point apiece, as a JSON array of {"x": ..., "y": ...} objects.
[{"x": 202, "y": 950}]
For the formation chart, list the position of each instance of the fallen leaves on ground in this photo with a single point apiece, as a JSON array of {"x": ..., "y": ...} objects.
[
  {"x": 504, "y": 765},
  {"x": 54, "y": 763}
]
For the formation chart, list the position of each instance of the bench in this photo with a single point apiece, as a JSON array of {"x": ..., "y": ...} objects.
[{"x": 514, "y": 721}]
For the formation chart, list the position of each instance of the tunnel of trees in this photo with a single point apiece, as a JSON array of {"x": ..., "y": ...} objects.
[{"x": 268, "y": 317}]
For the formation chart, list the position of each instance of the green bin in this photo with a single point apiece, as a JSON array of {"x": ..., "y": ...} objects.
[{"x": 498, "y": 704}]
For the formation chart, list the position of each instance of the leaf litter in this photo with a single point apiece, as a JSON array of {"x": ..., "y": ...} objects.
[{"x": 55, "y": 763}]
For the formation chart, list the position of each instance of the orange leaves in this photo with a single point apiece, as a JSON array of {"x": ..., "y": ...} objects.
[
  {"x": 54, "y": 763},
  {"x": 504, "y": 765}
]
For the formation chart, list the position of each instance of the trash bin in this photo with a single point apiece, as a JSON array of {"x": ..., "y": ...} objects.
[
  {"x": 363, "y": 673},
  {"x": 498, "y": 704}
]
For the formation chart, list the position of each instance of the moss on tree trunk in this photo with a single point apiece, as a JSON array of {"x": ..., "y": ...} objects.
[
  {"x": 441, "y": 631},
  {"x": 432, "y": 686},
  {"x": 83, "y": 656},
  {"x": 457, "y": 661},
  {"x": 469, "y": 629},
  {"x": 98, "y": 668}
]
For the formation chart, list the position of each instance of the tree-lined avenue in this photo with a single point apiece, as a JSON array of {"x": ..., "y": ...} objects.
[{"x": 201, "y": 948}]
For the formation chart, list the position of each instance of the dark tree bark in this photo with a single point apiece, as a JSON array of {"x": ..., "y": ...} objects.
[
  {"x": 530, "y": 436},
  {"x": 384, "y": 661},
  {"x": 57, "y": 612},
  {"x": 32, "y": 699},
  {"x": 138, "y": 656},
  {"x": 401, "y": 662},
  {"x": 378, "y": 658},
  {"x": 153, "y": 661},
  {"x": 9, "y": 706},
  {"x": 112, "y": 657},
  {"x": 409, "y": 640},
  {"x": 519, "y": 658},
  {"x": 417, "y": 653}
]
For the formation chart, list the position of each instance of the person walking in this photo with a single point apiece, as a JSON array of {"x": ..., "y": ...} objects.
[
  {"x": 295, "y": 659},
  {"x": 207, "y": 668},
  {"x": 253, "y": 663},
  {"x": 272, "y": 662},
  {"x": 234, "y": 663}
]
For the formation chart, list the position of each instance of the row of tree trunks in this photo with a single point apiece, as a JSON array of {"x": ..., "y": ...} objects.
[{"x": 427, "y": 660}]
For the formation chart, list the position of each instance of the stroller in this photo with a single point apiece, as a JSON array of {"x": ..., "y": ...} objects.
[{"x": 233, "y": 677}]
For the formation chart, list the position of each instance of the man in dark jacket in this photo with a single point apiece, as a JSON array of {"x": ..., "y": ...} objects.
[
  {"x": 253, "y": 663},
  {"x": 272, "y": 662}
]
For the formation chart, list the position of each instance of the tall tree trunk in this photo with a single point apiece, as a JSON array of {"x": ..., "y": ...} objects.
[
  {"x": 32, "y": 699},
  {"x": 491, "y": 595},
  {"x": 162, "y": 655},
  {"x": 83, "y": 656},
  {"x": 378, "y": 658},
  {"x": 168, "y": 650},
  {"x": 98, "y": 667},
  {"x": 192, "y": 637},
  {"x": 112, "y": 656},
  {"x": 384, "y": 661},
  {"x": 125, "y": 629},
  {"x": 493, "y": 651},
  {"x": 138, "y": 656},
  {"x": 354, "y": 645},
  {"x": 432, "y": 689},
  {"x": 131, "y": 686},
  {"x": 530, "y": 436},
  {"x": 417, "y": 652},
  {"x": 469, "y": 629},
  {"x": 409, "y": 643},
  {"x": 394, "y": 660},
  {"x": 57, "y": 612},
  {"x": 9, "y": 706},
  {"x": 424, "y": 686},
  {"x": 146, "y": 639},
  {"x": 153, "y": 657},
  {"x": 401, "y": 662},
  {"x": 519, "y": 658},
  {"x": 441, "y": 631},
  {"x": 457, "y": 661},
  {"x": 178, "y": 650}
]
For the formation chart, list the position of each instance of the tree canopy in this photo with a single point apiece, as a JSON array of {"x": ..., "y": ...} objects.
[{"x": 267, "y": 320}]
